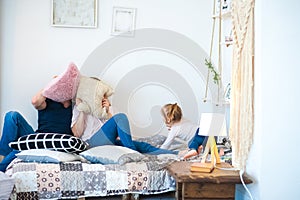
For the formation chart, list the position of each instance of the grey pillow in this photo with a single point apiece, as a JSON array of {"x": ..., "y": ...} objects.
[
  {"x": 155, "y": 140},
  {"x": 111, "y": 154}
]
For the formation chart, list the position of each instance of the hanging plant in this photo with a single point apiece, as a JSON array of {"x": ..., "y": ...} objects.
[{"x": 216, "y": 75}]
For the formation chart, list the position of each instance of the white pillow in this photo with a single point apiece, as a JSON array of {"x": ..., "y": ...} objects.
[
  {"x": 47, "y": 156},
  {"x": 112, "y": 154},
  {"x": 91, "y": 92}
]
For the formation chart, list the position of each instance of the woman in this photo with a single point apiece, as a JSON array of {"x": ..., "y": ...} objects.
[
  {"x": 115, "y": 130},
  {"x": 181, "y": 128}
]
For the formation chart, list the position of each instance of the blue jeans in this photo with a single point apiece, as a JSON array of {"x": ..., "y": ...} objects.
[
  {"x": 14, "y": 127},
  {"x": 146, "y": 148},
  {"x": 7, "y": 160},
  {"x": 116, "y": 126},
  {"x": 196, "y": 141}
]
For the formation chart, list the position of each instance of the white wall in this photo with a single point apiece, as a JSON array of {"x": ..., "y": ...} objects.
[
  {"x": 32, "y": 51},
  {"x": 278, "y": 66},
  {"x": 273, "y": 161}
]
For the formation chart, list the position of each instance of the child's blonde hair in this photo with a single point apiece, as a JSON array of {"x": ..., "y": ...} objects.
[{"x": 172, "y": 113}]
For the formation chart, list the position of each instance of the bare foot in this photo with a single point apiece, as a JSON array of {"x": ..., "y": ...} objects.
[
  {"x": 200, "y": 148},
  {"x": 190, "y": 153}
]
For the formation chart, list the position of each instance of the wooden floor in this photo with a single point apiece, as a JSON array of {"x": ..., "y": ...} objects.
[{"x": 165, "y": 196}]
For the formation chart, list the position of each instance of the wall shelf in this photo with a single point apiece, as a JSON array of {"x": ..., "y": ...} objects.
[
  {"x": 224, "y": 15},
  {"x": 221, "y": 22}
]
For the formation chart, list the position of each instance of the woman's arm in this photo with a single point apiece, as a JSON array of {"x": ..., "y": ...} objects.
[
  {"x": 106, "y": 104},
  {"x": 79, "y": 126},
  {"x": 39, "y": 101},
  {"x": 78, "y": 120}
]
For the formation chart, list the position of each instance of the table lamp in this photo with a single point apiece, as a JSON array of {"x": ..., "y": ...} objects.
[{"x": 211, "y": 125}]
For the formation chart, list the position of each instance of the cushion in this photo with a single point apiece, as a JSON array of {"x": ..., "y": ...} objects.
[
  {"x": 47, "y": 156},
  {"x": 91, "y": 91},
  {"x": 64, "y": 86},
  {"x": 53, "y": 141},
  {"x": 155, "y": 140},
  {"x": 112, "y": 154}
]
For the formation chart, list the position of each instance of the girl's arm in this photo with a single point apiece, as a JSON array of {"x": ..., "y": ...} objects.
[{"x": 170, "y": 139}]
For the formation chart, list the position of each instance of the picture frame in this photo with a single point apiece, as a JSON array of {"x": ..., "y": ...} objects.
[
  {"x": 123, "y": 21},
  {"x": 78, "y": 14}
]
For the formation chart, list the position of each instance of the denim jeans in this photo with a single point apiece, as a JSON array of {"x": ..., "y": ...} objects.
[
  {"x": 14, "y": 127},
  {"x": 116, "y": 126},
  {"x": 196, "y": 141},
  {"x": 146, "y": 148},
  {"x": 7, "y": 159}
]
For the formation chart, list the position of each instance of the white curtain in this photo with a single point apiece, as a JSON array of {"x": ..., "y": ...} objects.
[{"x": 242, "y": 99}]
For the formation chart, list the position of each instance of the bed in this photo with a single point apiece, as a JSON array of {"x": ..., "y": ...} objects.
[
  {"x": 69, "y": 178},
  {"x": 137, "y": 68}
]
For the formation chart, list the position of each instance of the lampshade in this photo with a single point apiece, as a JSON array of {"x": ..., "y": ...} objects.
[{"x": 213, "y": 124}]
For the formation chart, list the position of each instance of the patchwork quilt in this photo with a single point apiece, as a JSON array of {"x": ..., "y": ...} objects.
[{"x": 69, "y": 180}]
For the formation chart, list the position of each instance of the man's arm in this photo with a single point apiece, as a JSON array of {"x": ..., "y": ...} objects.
[{"x": 39, "y": 101}]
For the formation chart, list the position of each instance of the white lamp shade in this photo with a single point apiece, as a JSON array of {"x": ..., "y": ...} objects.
[{"x": 213, "y": 124}]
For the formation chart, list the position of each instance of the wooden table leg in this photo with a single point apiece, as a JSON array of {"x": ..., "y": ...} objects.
[{"x": 178, "y": 194}]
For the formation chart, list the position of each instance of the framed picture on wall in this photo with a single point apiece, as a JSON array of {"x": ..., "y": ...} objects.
[
  {"x": 70, "y": 13},
  {"x": 123, "y": 21}
]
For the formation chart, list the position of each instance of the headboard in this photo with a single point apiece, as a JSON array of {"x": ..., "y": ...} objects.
[{"x": 150, "y": 69}]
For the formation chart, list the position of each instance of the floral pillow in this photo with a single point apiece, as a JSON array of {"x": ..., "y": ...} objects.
[{"x": 64, "y": 86}]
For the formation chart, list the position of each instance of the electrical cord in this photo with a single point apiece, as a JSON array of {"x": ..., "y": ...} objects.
[
  {"x": 241, "y": 177},
  {"x": 242, "y": 180}
]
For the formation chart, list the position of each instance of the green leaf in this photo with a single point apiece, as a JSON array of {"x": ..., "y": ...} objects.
[{"x": 216, "y": 75}]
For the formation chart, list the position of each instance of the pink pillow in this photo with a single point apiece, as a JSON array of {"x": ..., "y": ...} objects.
[{"x": 64, "y": 86}]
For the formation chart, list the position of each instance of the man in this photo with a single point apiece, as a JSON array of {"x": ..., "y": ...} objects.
[{"x": 53, "y": 117}]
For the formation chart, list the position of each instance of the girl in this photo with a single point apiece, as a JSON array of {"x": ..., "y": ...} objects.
[{"x": 181, "y": 128}]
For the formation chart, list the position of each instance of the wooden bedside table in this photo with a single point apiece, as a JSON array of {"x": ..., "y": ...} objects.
[{"x": 219, "y": 184}]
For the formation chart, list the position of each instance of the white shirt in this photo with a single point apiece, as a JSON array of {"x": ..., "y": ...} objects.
[
  {"x": 184, "y": 130},
  {"x": 93, "y": 124}
]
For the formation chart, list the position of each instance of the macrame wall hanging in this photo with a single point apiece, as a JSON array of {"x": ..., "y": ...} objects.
[
  {"x": 242, "y": 80},
  {"x": 242, "y": 76}
]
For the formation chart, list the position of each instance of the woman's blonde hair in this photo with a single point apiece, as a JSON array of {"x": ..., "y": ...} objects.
[{"x": 171, "y": 112}]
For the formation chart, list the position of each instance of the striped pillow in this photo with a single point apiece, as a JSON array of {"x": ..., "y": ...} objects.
[{"x": 53, "y": 141}]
